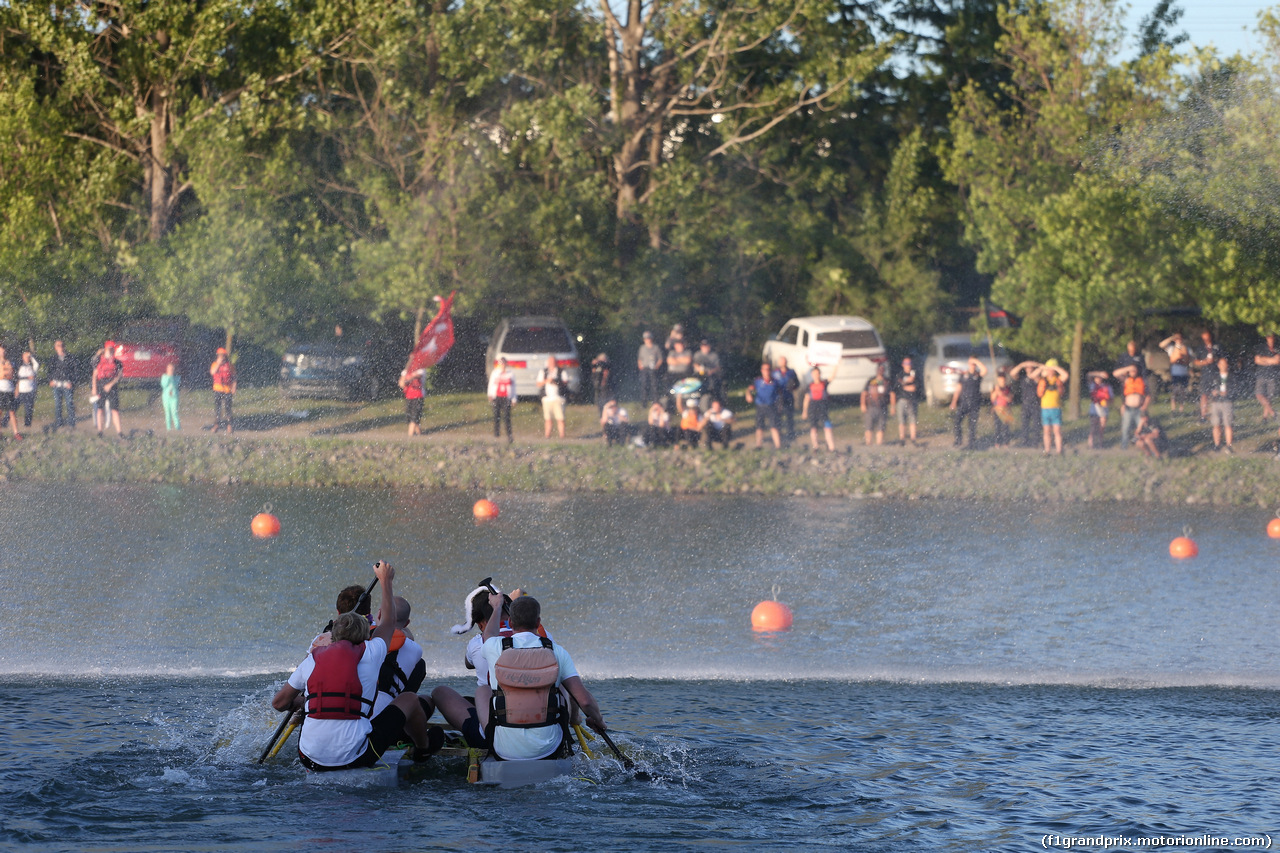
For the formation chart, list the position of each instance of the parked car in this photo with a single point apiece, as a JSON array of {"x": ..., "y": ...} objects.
[
  {"x": 948, "y": 359},
  {"x": 525, "y": 342},
  {"x": 145, "y": 347},
  {"x": 862, "y": 349},
  {"x": 330, "y": 370}
]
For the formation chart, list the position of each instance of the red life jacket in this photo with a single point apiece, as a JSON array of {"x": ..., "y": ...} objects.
[
  {"x": 106, "y": 368},
  {"x": 817, "y": 391},
  {"x": 334, "y": 691},
  {"x": 502, "y": 388}
]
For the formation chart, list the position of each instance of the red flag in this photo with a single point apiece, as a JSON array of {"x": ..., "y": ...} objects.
[{"x": 436, "y": 338}]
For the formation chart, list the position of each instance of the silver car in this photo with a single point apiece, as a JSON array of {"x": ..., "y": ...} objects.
[
  {"x": 948, "y": 359},
  {"x": 525, "y": 342}
]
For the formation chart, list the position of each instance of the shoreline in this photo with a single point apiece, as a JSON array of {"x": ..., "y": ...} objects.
[{"x": 474, "y": 465}]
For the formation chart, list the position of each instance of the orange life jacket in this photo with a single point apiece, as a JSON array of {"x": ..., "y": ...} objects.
[
  {"x": 334, "y": 691},
  {"x": 223, "y": 377},
  {"x": 526, "y": 695},
  {"x": 1135, "y": 385}
]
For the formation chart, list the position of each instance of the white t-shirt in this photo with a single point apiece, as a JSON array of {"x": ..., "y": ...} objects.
[
  {"x": 551, "y": 386},
  {"x": 526, "y": 743},
  {"x": 476, "y": 658},
  {"x": 334, "y": 743},
  {"x": 407, "y": 658},
  {"x": 1177, "y": 368},
  {"x": 27, "y": 376}
]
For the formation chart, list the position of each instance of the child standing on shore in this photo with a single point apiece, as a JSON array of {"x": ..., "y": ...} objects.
[{"x": 169, "y": 383}]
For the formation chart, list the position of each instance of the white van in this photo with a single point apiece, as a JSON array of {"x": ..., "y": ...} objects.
[
  {"x": 861, "y": 349},
  {"x": 525, "y": 342}
]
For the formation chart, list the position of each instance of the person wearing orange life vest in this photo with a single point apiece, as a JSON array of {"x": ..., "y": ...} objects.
[
  {"x": 527, "y": 716},
  {"x": 403, "y": 669},
  {"x": 105, "y": 388},
  {"x": 223, "y": 373},
  {"x": 1134, "y": 400},
  {"x": 337, "y": 685},
  {"x": 1050, "y": 383}
]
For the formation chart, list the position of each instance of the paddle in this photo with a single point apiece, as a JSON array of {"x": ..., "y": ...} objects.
[
  {"x": 271, "y": 747},
  {"x": 642, "y": 775}
]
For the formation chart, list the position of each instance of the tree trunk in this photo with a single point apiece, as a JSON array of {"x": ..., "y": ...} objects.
[
  {"x": 625, "y": 48},
  {"x": 1077, "y": 360},
  {"x": 157, "y": 166}
]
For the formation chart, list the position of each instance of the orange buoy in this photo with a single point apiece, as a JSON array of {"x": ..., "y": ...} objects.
[
  {"x": 485, "y": 509},
  {"x": 1183, "y": 548},
  {"x": 265, "y": 525},
  {"x": 771, "y": 616},
  {"x": 1273, "y": 528}
]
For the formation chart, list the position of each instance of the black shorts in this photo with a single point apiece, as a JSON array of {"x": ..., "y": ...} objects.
[
  {"x": 413, "y": 409},
  {"x": 766, "y": 417},
  {"x": 8, "y": 401},
  {"x": 471, "y": 731},
  {"x": 388, "y": 730},
  {"x": 111, "y": 398}
]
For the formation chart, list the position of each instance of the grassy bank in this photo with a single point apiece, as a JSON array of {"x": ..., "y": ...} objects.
[{"x": 312, "y": 444}]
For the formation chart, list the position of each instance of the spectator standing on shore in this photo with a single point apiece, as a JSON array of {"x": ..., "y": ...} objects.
[
  {"x": 1205, "y": 359},
  {"x": 717, "y": 423},
  {"x": 1132, "y": 356},
  {"x": 815, "y": 408},
  {"x": 764, "y": 392},
  {"x": 169, "y": 383},
  {"x": 1179, "y": 369},
  {"x": 1134, "y": 399},
  {"x": 502, "y": 396},
  {"x": 706, "y": 366},
  {"x": 649, "y": 362},
  {"x": 8, "y": 394},
  {"x": 1050, "y": 383},
  {"x": 414, "y": 387},
  {"x": 679, "y": 365},
  {"x": 551, "y": 383},
  {"x": 601, "y": 381},
  {"x": 223, "y": 373},
  {"x": 105, "y": 388},
  {"x": 876, "y": 402},
  {"x": 788, "y": 384},
  {"x": 1099, "y": 403},
  {"x": 676, "y": 334},
  {"x": 1267, "y": 361},
  {"x": 1221, "y": 408},
  {"x": 966, "y": 401},
  {"x": 62, "y": 371},
  {"x": 906, "y": 389},
  {"x": 1002, "y": 409},
  {"x": 27, "y": 370},
  {"x": 1030, "y": 401}
]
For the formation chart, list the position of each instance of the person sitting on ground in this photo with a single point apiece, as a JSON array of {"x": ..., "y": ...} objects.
[
  {"x": 338, "y": 685},
  {"x": 717, "y": 425},
  {"x": 1150, "y": 437},
  {"x": 814, "y": 407},
  {"x": 614, "y": 423},
  {"x": 690, "y": 432},
  {"x": 512, "y": 663},
  {"x": 658, "y": 431}
]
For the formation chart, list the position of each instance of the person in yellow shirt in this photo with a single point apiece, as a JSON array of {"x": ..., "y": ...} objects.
[{"x": 1051, "y": 381}]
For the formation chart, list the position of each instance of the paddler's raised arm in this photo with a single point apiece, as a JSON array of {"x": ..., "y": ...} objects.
[
  {"x": 384, "y": 573},
  {"x": 494, "y": 625}
]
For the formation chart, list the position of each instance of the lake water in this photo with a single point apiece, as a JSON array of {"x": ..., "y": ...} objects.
[{"x": 960, "y": 676}]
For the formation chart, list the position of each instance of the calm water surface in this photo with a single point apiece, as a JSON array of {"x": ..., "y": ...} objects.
[{"x": 962, "y": 677}]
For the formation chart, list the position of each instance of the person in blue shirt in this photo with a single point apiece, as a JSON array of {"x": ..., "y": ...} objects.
[
  {"x": 766, "y": 393},
  {"x": 788, "y": 383}
]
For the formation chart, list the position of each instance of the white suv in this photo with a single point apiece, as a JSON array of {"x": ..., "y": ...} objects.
[
  {"x": 861, "y": 348},
  {"x": 525, "y": 342}
]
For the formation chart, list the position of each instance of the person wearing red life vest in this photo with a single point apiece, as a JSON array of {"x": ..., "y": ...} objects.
[
  {"x": 502, "y": 395},
  {"x": 223, "y": 373},
  {"x": 338, "y": 684},
  {"x": 105, "y": 388},
  {"x": 414, "y": 387}
]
